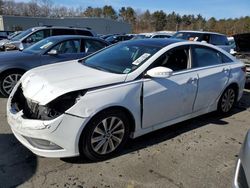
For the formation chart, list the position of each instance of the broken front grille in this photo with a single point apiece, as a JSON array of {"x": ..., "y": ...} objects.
[{"x": 31, "y": 109}]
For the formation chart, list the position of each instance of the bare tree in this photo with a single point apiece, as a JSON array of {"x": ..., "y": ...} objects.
[{"x": 46, "y": 6}]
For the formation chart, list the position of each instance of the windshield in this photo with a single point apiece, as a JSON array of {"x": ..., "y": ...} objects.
[
  {"x": 188, "y": 36},
  {"x": 41, "y": 46},
  {"x": 122, "y": 58},
  {"x": 21, "y": 35}
]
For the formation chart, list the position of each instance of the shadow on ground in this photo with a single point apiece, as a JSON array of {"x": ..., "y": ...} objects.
[
  {"x": 175, "y": 130},
  {"x": 17, "y": 164}
]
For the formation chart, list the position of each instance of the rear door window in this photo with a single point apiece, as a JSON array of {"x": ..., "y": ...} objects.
[
  {"x": 91, "y": 46},
  {"x": 203, "y": 56}
]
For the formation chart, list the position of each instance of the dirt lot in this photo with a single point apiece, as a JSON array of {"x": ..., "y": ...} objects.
[{"x": 197, "y": 153}]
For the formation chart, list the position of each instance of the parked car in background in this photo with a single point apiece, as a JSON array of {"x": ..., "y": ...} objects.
[
  {"x": 232, "y": 45},
  {"x": 47, "y": 51},
  {"x": 4, "y": 41},
  {"x": 128, "y": 89},
  {"x": 108, "y": 35},
  {"x": 216, "y": 39},
  {"x": 242, "y": 171},
  {"x": 118, "y": 38},
  {"x": 242, "y": 42},
  {"x": 152, "y": 35},
  {"x": 35, "y": 34},
  {"x": 5, "y": 34}
]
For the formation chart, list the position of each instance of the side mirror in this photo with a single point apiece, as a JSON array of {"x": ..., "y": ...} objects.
[
  {"x": 52, "y": 52},
  {"x": 160, "y": 72}
]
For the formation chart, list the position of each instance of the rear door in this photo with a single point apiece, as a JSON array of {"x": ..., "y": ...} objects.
[{"x": 213, "y": 75}]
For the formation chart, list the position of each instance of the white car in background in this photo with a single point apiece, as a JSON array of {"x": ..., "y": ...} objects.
[{"x": 93, "y": 105}]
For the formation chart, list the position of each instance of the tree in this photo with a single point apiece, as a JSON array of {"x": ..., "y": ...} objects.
[
  {"x": 159, "y": 20},
  {"x": 109, "y": 12},
  {"x": 1, "y": 7},
  {"x": 128, "y": 15},
  {"x": 92, "y": 12},
  {"x": 46, "y": 6}
]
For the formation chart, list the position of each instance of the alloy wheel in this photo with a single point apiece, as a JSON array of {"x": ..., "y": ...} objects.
[
  {"x": 9, "y": 82},
  {"x": 107, "y": 135},
  {"x": 228, "y": 100}
]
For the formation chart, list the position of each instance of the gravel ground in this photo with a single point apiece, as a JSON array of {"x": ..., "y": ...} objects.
[{"x": 196, "y": 153}]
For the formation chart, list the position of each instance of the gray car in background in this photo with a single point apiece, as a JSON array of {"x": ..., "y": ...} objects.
[
  {"x": 35, "y": 34},
  {"x": 242, "y": 171},
  {"x": 55, "y": 49},
  {"x": 216, "y": 39}
]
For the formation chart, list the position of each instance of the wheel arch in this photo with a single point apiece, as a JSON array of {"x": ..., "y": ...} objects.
[
  {"x": 11, "y": 70},
  {"x": 115, "y": 108},
  {"x": 235, "y": 86}
]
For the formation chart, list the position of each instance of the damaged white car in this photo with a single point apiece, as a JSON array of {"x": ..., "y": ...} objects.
[{"x": 92, "y": 106}]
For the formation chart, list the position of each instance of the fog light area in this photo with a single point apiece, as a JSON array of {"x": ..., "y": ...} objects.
[{"x": 43, "y": 144}]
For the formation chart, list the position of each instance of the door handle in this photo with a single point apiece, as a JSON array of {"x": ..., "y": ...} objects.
[
  {"x": 192, "y": 80},
  {"x": 225, "y": 70}
]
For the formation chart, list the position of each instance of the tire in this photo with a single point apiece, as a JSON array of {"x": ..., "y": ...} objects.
[
  {"x": 8, "y": 80},
  {"x": 100, "y": 143},
  {"x": 227, "y": 100}
]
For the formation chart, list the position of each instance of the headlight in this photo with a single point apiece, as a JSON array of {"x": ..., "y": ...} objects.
[{"x": 55, "y": 108}]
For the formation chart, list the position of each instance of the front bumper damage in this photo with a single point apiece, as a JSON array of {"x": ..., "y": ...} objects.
[{"x": 58, "y": 137}]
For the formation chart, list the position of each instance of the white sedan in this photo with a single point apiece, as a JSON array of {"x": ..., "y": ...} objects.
[{"x": 92, "y": 106}]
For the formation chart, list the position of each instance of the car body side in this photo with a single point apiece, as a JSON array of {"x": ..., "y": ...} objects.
[{"x": 128, "y": 96}]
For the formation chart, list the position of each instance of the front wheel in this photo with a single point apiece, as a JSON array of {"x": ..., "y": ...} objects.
[
  {"x": 8, "y": 82},
  {"x": 227, "y": 100},
  {"x": 105, "y": 135}
]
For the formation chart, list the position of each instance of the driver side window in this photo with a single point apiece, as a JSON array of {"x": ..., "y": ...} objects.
[
  {"x": 69, "y": 46},
  {"x": 175, "y": 59}
]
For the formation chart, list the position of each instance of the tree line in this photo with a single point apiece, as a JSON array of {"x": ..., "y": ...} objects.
[{"x": 141, "y": 21}]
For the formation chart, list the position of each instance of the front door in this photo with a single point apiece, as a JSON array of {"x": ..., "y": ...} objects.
[{"x": 165, "y": 99}]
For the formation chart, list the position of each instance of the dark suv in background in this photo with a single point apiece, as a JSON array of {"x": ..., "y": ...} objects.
[
  {"x": 35, "y": 34},
  {"x": 216, "y": 39}
]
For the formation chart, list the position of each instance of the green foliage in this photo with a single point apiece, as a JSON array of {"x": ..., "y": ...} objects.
[
  {"x": 109, "y": 12},
  {"x": 144, "y": 21}
]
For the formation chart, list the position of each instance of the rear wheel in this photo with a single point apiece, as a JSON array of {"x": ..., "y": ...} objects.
[
  {"x": 105, "y": 135},
  {"x": 227, "y": 100},
  {"x": 8, "y": 81}
]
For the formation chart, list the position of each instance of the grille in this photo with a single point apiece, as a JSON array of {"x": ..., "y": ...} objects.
[{"x": 31, "y": 110}]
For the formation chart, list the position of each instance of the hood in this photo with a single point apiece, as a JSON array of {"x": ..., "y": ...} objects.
[
  {"x": 242, "y": 42},
  {"x": 15, "y": 57},
  {"x": 43, "y": 84}
]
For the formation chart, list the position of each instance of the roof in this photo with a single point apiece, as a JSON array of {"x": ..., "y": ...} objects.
[
  {"x": 154, "y": 42},
  {"x": 68, "y": 37},
  {"x": 202, "y": 32}
]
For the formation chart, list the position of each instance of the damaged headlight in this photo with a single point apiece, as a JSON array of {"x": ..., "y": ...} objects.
[
  {"x": 53, "y": 109},
  {"x": 61, "y": 104}
]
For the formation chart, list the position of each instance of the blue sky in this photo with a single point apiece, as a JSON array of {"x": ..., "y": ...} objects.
[{"x": 207, "y": 8}]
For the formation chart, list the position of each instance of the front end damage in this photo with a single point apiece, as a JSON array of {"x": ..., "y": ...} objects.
[{"x": 45, "y": 129}]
